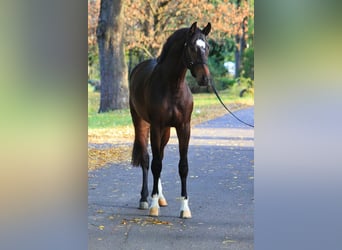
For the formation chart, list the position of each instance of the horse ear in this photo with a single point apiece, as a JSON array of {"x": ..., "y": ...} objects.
[
  {"x": 193, "y": 28},
  {"x": 207, "y": 29}
]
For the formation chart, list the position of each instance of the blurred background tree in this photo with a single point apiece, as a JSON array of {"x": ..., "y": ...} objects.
[
  {"x": 93, "y": 59},
  {"x": 148, "y": 23},
  {"x": 113, "y": 69}
]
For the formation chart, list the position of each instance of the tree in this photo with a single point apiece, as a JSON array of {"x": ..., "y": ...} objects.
[
  {"x": 93, "y": 15},
  {"x": 150, "y": 22},
  {"x": 113, "y": 70}
]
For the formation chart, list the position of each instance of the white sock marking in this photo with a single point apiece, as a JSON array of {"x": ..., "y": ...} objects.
[
  {"x": 154, "y": 202},
  {"x": 184, "y": 204},
  {"x": 160, "y": 190}
]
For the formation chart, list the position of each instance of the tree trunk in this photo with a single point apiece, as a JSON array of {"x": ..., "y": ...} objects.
[
  {"x": 114, "y": 82},
  {"x": 237, "y": 56},
  {"x": 240, "y": 44}
]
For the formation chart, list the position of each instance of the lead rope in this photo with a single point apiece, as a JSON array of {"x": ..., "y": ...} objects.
[{"x": 219, "y": 98}]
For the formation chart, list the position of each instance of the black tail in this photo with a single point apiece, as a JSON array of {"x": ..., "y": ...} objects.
[
  {"x": 140, "y": 156},
  {"x": 137, "y": 154}
]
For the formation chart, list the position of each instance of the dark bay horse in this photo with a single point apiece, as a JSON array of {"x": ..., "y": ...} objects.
[{"x": 160, "y": 99}]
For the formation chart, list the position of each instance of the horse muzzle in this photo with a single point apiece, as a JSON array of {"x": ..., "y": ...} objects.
[{"x": 201, "y": 74}]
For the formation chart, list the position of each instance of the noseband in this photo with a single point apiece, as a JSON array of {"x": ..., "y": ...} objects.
[{"x": 189, "y": 63}]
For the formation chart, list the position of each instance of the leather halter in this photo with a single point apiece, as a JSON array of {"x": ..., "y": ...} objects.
[{"x": 189, "y": 63}]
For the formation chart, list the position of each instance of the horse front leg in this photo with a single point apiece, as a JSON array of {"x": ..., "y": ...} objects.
[
  {"x": 164, "y": 140},
  {"x": 156, "y": 167},
  {"x": 183, "y": 134}
]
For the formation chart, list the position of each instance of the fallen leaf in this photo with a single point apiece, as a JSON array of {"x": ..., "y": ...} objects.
[
  {"x": 101, "y": 157},
  {"x": 228, "y": 241}
]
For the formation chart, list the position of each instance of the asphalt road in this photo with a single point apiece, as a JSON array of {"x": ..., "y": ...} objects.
[{"x": 220, "y": 188}]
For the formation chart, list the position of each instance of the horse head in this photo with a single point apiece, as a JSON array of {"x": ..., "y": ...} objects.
[{"x": 196, "y": 51}]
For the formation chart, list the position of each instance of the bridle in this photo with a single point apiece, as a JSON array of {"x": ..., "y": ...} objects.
[
  {"x": 189, "y": 63},
  {"x": 187, "y": 60}
]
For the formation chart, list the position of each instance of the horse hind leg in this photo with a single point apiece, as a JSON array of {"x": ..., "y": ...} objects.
[
  {"x": 140, "y": 155},
  {"x": 143, "y": 203}
]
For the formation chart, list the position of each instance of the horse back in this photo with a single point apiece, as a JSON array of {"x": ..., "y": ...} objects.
[{"x": 142, "y": 72}]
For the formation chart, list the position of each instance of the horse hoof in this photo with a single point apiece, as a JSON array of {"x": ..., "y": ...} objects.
[
  {"x": 185, "y": 214},
  {"x": 143, "y": 205},
  {"x": 154, "y": 211},
  {"x": 162, "y": 202}
]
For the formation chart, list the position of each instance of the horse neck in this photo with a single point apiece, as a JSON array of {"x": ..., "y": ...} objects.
[{"x": 174, "y": 69}]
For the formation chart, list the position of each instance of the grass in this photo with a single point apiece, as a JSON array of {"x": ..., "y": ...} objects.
[
  {"x": 206, "y": 107},
  {"x": 112, "y": 119},
  {"x": 116, "y": 127}
]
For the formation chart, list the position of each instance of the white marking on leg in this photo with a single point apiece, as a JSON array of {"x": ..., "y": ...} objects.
[
  {"x": 162, "y": 200},
  {"x": 184, "y": 209},
  {"x": 160, "y": 190},
  {"x": 154, "y": 208},
  {"x": 184, "y": 204},
  {"x": 154, "y": 202}
]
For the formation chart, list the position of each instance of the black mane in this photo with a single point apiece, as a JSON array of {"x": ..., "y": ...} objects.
[{"x": 178, "y": 36}]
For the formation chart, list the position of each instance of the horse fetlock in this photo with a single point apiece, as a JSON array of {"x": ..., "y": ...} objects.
[
  {"x": 154, "y": 208},
  {"x": 143, "y": 205},
  {"x": 185, "y": 212}
]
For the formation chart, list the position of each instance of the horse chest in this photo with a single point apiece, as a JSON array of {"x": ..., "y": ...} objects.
[{"x": 177, "y": 113}]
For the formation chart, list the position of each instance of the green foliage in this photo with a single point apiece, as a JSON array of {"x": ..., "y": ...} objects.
[
  {"x": 93, "y": 63},
  {"x": 222, "y": 83},
  {"x": 219, "y": 53},
  {"x": 248, "y": 55},
  {"x": 244, "y": 87},
  {"x": 245, "y": 82},
  {"x": 248, "y": 63},
  {"x": 216, "y": 59}
]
